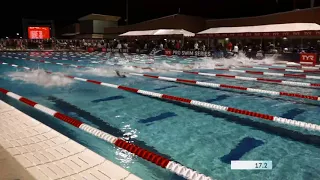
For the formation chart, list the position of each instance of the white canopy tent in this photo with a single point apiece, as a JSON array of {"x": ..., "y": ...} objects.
[
  {"x": 159, "y": 32},
  {"x": 297, "y": 29}
]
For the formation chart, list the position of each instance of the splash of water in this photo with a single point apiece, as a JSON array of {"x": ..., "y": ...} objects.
[
  {"x": 126, "y": 64},
  {"x": 236, "y": 61},
  {"x": 210, "y": 63},
  {"x": 126, "y": 158},
  {"x": 106, "y": 71},
  {"x": 41, "y": 78}
]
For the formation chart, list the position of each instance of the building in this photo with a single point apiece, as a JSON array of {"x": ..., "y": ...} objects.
[
  {"x": 27, "y": 23},
  {"x": 310, "y": 15},
  {"x": 105, "y": 26},
  {"x": 197, "y": 24},
  {"x": 90, "y": 27},
  {"x": 176, "y": 21}
]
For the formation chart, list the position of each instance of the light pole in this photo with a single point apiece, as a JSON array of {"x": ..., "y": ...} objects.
[
  {"x": 311, "y": 3},
  {"x": 127, "y": 12}
]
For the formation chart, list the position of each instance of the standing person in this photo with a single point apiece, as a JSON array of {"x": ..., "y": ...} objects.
[
  {"x": 236, "y": 49},
  {"x": 119, "y": 46},
  {"x": 177, "y": 45},
  {"x": 229, "y": 46},
  {"x": 203, "y": 47},
  {"x": 196, "y": 46},
  {"x": 161, "y": 46}
]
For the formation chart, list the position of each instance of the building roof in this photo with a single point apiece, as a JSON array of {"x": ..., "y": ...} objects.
[
  {"x": 288, "y": 27},
  {"x": 159, "y": 32},
  {"x": 99, "y": 17}
]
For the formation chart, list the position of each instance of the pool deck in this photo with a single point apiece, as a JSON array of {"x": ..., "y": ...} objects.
[{"x": 31, "y": 150}]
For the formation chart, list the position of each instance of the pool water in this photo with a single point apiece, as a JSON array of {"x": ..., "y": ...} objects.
[{"x": 203, "y": 140}]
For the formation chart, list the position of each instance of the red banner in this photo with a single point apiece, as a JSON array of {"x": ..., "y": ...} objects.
[
  {"x": 39, "y": 32},
  {"x": 308, "y": 58},
  {"x": 168, "y": 52}
]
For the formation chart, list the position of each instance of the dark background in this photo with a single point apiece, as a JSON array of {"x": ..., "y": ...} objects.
[{"x": 66, "y": 12}]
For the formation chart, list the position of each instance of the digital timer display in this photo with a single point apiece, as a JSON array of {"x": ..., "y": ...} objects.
[{"x": 251, "y": 165}]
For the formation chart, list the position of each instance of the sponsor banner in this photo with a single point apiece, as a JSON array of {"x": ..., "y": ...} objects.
[
  {"x": 38, "y": 32},
  {"x": 308, "y": 58},
  {"x": 192, "y": 53},
  {"x": 269, "y": 34},
  {"x": 168, "y": 52},
  {"x": 117, "y": 50}
]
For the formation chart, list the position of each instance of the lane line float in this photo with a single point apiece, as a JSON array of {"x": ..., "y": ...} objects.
[
  {"x": 48, "y": 62},
  {"x": 303, "y": 76},
  {"x": 100, "y": 60},
  {"x": 227, "y": 86},
  {"x": 158, "y": 160},
  {"x": 205, "y": 105},
  {"x": 226, "y": 76},
  {"x": 298, "y": 66},
  {"x": 213, "y": 85},
  {"x": 283, "y": 69}
]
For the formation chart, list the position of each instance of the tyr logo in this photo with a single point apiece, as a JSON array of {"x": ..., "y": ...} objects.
[{"x": 307, "y": 57}]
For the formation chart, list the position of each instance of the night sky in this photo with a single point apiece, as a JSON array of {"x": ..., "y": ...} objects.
[{"x": 139, "y": 10}]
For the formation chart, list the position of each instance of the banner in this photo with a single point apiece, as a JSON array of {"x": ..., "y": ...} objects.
[
  {"x": 308, "y": 58},
  {"x": 192, "y": 53},
  {"x": 38, "y": 32},
  {"x": 117, "y": 50},
  {"x": 168, "y": 52}
]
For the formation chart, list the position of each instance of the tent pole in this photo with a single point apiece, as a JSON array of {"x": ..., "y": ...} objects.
[{"x": 182, "y": 42}]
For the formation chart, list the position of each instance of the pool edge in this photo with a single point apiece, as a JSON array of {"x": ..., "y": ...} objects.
[{"x": 12, "y": 155}]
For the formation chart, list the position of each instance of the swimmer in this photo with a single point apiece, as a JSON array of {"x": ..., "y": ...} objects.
[
  {"x": 189, "y": 67},
  {"x": 118, "y": 73}
]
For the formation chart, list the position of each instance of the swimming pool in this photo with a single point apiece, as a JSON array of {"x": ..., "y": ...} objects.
[{"x": 200, "y": 139}]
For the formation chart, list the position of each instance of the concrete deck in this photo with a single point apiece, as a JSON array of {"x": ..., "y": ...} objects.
[{"x": 31, "y": 150}]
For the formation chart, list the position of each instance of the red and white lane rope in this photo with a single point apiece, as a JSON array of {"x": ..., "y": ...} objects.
[
  {"x": 301, "y": 66},
  {"x": 304, "y": 76},
  {"x": 200, "y": 104},
  {"x": 306, "y": 64},
  {"x": 264, "y": 80},
  {"x": 227, "y": 76},
  {"x": 213, "y": 85},
  {"x": 100, "y": 60},
  {"x": 48, "y": 62},
  {"x": 118, "y": 142},
  {"x": 298, "y": 66},
  {"x": 283, "y": 69},
  {"x": 227, "y": 86}
]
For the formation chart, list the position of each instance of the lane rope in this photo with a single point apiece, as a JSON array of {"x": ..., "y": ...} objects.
[
  {"x": 47, "y": 62},
  {"x": 205, "y": 105},
  {"x": 303, "y": 76},
  {"x": 213, "y": 85},
  {"x": 283, "y": 69},
  {"x": 307, "y": 70},
  {"x": 298, "y": 66},
  {"x": 156, "y": 159},
  {"x": 227, "y": 86},
  {"x": 226, "y": 76}
]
